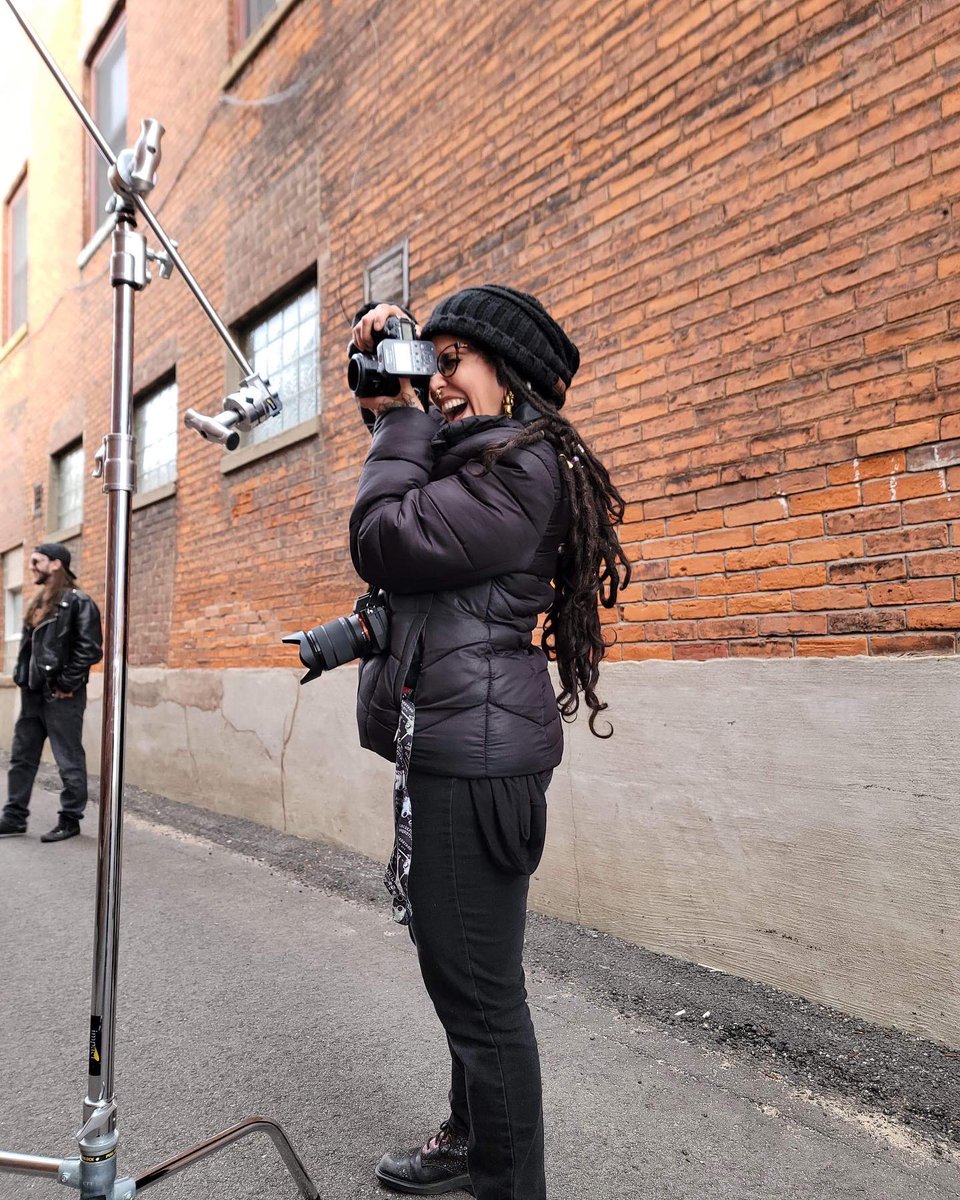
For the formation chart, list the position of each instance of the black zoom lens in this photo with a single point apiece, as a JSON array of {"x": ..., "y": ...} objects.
[
  {"x": 364, "y": 378},
  {"x": 365, "y": 631},
  {"x": 339, "y": 641}
]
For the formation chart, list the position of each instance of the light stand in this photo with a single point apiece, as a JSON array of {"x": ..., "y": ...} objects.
[{"x": 132, "y": 176}]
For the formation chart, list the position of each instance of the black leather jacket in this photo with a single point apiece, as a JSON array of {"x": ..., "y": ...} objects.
[{"x": 63, "y": 647}]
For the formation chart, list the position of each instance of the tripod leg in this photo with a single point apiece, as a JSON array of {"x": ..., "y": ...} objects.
[
  {"x": 220, "y": 1141},
  {"x": 28, "y": 1163}
]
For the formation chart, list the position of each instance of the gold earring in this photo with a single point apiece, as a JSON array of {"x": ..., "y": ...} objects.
[{"x": 508, "y": 404}]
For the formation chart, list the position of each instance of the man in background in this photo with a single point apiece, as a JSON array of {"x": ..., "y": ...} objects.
[{"x": 62, "y": 639}]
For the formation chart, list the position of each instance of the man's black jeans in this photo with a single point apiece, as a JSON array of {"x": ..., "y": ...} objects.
[
  {"x": 469, "y": 914},
  {"x": 62, "y": 722}
]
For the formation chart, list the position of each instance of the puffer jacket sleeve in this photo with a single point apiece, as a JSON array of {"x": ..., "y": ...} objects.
[{"x": 409, "y": 533}]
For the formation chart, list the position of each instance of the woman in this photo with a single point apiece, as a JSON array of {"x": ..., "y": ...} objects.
[{"x": 464, "y": 516}]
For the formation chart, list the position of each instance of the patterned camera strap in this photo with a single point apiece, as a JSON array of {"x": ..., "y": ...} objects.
[{"x": 398, "y": 869}]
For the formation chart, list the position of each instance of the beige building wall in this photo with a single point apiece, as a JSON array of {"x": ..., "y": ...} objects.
[{"x": 793, "y": 822}]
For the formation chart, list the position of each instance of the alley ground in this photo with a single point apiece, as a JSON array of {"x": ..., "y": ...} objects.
[{"x": 262, "y": 974}]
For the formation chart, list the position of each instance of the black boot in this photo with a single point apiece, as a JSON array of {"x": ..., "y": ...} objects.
[
  {"x": 430, "y": 1170},
  {"x": 65, "y": 828},
  {"x": 9, "y": 828}
]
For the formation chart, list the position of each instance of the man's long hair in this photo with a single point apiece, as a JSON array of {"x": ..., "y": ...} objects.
[{"x": 48, "y": 596}]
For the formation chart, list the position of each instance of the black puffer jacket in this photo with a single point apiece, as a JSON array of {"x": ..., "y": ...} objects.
[{"x": 466, "y": 557}]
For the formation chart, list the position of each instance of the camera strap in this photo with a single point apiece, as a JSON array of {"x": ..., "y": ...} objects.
[{"x": 397, "y": 874}]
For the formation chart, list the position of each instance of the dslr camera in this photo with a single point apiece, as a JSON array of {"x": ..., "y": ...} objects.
[
  {"x": 398, "y": 352},
  {"x": 364, "y": 632}
]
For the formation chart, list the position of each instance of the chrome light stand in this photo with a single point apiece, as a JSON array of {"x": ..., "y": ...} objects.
[{"x": 132, "y": 175}]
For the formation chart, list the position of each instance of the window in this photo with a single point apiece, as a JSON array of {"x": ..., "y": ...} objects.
[
  {"x": 68, "y": 486},
  {"x": 282, "y": 346},
  {"x": 252, "y": 14},
  {"x": 108, "y": 89},
  {"x": 12, "y": 606},
  {"x": 388, "y": 277},
  {"x": 15, "y": 253},
  {"x": 155, "y": 427}
]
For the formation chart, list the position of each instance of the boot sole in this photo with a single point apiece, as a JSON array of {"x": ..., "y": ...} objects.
[
  {"x": 14, "y": 833},
  {"x": 461, "y": 1183}
]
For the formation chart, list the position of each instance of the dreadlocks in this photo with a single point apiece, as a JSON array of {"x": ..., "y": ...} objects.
[{"x": 592, "y": 565}]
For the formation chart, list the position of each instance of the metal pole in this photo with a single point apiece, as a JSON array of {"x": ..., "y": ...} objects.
[
  {"x": 220, "y": 1141},
  {"x": 28, "y": 1164},
  {"x": 117, "y": 465}
]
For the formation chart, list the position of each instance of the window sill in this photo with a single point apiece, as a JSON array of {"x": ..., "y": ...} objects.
[
  {"x": 155, "y": 495},
  {"x": 233, "y": 460},
  {"x": 251, "y": 46},
  {"x": 64, "y": 535},
  {"x": 96, "y": 241},
  {"x": 13, "y": 341}
]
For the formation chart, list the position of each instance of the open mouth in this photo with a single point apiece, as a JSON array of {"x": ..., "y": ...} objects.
[{"x": 454, "y": 408}]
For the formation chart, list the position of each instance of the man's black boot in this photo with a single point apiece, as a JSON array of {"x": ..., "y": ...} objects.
[
  {"x": 64, "y": 828},
  {"x": 10, "y": 828},
  {"x": 431, "y": 1170}
]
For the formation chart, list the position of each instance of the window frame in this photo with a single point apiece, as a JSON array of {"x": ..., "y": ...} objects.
[
  {"x": 66, "y": 529},
  {"x": 241, "y": 28},
  {"x": 141, "y": 400},
  {"x": 116, "y": 24},
  {"x": 11, "y": 626},
  {"x": 245, "y": 330},
  {"x": 18, "y": 194}
]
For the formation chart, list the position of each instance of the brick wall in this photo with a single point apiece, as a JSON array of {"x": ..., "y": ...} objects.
[
  {"x": 744, "y": 213},
  {"x": 153, "y": 555}
]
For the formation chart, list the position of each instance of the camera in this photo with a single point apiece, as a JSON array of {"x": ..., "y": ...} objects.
[
  {"x": 362, "y": 633},
  {"x": 399, "y": 352}
]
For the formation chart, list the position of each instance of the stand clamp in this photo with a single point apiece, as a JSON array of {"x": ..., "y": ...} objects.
[
  {"x": 93, "y": 1171},
  {"x": 116, "y": 464},
  {"x": 255, "y": 402}
]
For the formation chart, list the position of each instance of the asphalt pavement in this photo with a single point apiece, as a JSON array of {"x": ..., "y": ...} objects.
[{"x": 262, "y": 974}]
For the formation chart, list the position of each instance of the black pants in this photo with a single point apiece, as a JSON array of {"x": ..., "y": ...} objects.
[
  {"x": 472, "y": 854},
  {"x": 62, "y": 722}
]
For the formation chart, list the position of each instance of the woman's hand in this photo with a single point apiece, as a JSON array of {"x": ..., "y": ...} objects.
[
  {"x": 363, "y": 332},
  {"x": 375, "y": 319}
]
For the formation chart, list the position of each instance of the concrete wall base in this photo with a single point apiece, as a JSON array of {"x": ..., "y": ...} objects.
[{"x": 795, "y": 821}]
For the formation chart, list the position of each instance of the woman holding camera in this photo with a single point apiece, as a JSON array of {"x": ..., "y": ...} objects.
[{"x": 476, "y": 518}]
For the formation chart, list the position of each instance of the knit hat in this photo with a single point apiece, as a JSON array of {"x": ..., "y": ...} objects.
[{"x": 515, "y": 326}]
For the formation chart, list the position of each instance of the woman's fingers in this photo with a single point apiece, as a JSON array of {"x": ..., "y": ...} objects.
[{"x": 372, "y": 321}]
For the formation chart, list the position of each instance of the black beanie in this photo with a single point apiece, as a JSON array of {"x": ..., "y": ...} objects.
[{"x": 515, "y": 326}]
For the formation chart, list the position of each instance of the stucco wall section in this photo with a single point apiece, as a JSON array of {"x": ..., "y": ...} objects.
[{"x": 795, "y": 822}]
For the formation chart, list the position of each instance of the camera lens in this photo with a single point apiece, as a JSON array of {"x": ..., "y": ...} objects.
[
  {"x": 338, "y": 641},
  {"x": 364, "y": 378}
]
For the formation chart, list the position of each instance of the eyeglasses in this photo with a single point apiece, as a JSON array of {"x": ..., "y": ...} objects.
[{"x": 448, "y": 360}]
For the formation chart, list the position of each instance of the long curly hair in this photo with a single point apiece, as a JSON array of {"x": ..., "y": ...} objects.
[{"x": 592, "y": 566}]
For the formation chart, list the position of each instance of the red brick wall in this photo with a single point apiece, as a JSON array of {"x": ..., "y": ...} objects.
[
  {"x": 745, "y": 214},
  {"x": 153, "y": 558}
]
